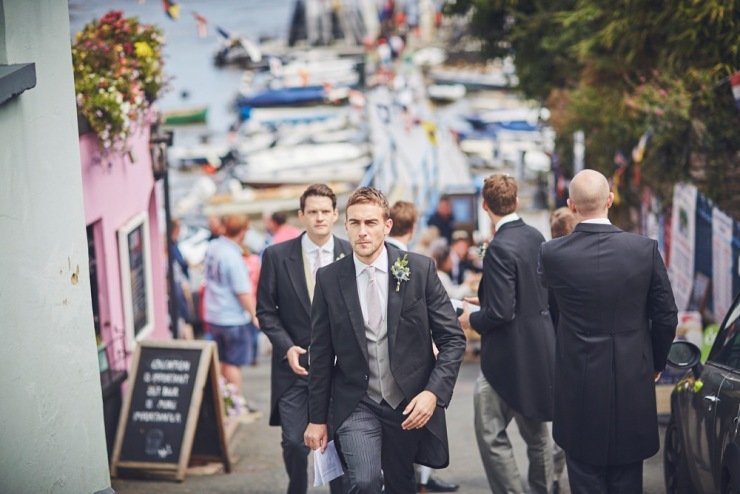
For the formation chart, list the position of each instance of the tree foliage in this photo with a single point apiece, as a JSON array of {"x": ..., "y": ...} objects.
[{"x": 615, "y": 68}]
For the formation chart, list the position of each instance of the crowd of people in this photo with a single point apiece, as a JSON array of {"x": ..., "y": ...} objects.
[{"x": 366, "y": 346}]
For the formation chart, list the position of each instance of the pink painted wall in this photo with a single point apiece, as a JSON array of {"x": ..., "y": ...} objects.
[{"x": 116, "y": 188}]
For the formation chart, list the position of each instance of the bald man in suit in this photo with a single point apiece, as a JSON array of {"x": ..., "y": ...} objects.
[{"x": 617, "y": 321}]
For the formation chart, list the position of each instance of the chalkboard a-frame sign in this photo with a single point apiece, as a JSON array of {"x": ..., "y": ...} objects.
[{"x": 173, "y": 409}]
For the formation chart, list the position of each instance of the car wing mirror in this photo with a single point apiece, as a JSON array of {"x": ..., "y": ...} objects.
[{"x": 685, "y": 355}]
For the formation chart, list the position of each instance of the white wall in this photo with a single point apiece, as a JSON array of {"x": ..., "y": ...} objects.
[{"x": 51, "y": 419}]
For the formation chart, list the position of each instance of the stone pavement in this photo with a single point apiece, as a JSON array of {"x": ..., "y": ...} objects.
[{"x": 258, "y": 467}]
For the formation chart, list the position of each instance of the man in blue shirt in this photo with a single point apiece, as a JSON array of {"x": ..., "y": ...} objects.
[{"x": 228, "y": 307}]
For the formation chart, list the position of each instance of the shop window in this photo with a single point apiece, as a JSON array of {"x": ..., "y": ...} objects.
[{"x": 136, "y": 277}]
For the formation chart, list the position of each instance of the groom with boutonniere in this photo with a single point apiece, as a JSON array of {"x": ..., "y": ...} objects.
[{"x": 374, "y": 318}]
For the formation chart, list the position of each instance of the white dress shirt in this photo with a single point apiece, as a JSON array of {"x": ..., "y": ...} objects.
[
  {"x": 381, "y": 277},
  {"x": 598, "y": 221},
  {"x": 506, "y": 219},
  {"x": 326, "y": 251}
]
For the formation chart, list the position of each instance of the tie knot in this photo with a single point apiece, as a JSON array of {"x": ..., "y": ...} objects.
[{"x": 370, "y": 270}]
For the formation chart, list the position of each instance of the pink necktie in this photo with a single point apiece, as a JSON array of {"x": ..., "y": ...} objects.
[{"x": 372, "y": 298}]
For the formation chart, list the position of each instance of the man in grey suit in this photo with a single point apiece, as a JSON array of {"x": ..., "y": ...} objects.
[
  {"x": 617, "y": 321},
  {"x": 375, "y": 315},
  {"x": 284, "y": 293},
  {"x": 517, "y": 347}
]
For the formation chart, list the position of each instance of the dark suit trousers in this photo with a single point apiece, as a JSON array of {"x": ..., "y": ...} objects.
[
  {"x": 609, "y": 479},
  {"x": 371, "y": 439},
  {"x": 293, "y": 409}
]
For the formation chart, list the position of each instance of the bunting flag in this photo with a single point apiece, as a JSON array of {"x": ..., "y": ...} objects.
[
  {"x": 223, "y": 32},
  {"x": 431, "y": 130},
  {"x": 735, "y": 84},
  {"x": 202, "y": 24},
  {"x": 171, "y": 8},
  {"x": 616, "y": 184},
  {"x": 638, "y": 153},
  {"x": 620, "y": 163}
]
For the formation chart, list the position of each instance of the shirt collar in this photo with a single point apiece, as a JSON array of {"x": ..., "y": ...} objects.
[
  {"x": 309, "y": 247},
  {"x": 397, "y": 243},
  {"x": 598, "y": 221},
  {"x": 507, "y": 219},
  {"x": 380, "y": 263}
]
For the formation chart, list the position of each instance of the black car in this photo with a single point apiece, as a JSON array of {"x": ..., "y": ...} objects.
[{"x": 702, "y": 442}]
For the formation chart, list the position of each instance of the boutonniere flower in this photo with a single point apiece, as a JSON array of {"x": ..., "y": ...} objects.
[
  {"x": 401, "y": 271},
  {"x": 341, "y": 255},
  {"x": 482, "y": 249}
]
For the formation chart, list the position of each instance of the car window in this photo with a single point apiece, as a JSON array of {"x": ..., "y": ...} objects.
[{"x": 727, "y": 346}]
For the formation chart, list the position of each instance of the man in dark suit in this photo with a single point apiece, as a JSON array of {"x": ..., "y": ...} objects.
[
  {"x": 284, "y": 295},
  {"x": 517, "y": 347},
  {"x": 375, "y": 315},
  {"x": 404, "y": 215},
  {"x": 617, "y": 322}
]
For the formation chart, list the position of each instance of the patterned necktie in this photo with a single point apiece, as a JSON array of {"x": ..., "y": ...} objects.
[{"x": 372, "y": 299}]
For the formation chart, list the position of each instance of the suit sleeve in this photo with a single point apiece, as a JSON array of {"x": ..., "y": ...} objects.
[
  {"x": 448, "y": 337},
  {"x": 321, "y": 356},
  {"x": 498, "y": 304},
  {"x": 541, "y": 266},
  {"x": 267, "y": 306},
  {"x": 662, "y": 311}
]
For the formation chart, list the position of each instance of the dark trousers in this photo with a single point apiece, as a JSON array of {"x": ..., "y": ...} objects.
[
  {"x": 371, "y": 440},
  {"x": 293, "y": 410},
  {"x": 604, "y": 479}
]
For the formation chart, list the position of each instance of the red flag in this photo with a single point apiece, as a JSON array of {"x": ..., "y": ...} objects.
[
  {"x": 735, "y": 84},
  {"x": 202, "y": 23},
  {"x": 171, "y": 8}
]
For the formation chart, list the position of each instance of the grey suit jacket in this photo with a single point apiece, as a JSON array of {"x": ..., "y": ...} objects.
[
  {"x": 617, "y": 322},
  {"x": 419, "y": 313},
  {"x": 284, "y": 309}
]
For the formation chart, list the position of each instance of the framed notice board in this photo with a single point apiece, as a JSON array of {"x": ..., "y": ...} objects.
[{"x": 173, "y": 410}]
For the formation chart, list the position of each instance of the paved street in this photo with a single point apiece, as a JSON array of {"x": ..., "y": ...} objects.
[{"x": 258, "y": 462}]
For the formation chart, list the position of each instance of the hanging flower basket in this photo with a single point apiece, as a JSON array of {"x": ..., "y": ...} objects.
[{"x": 118, "y": 74}]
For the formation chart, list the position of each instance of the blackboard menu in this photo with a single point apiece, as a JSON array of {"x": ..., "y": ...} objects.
[
  {"x": 160, "y": 404},
  {"x": 173, "y": 410}
]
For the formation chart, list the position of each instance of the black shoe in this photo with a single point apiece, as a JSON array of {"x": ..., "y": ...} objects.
[{"x": 436, "y": 485}]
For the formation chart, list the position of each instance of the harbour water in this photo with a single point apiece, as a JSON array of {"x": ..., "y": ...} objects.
[{"x": 195, "y": 80}]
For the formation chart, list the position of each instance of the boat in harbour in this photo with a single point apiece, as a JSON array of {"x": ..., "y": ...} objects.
[{"x": 185, "y": 116}]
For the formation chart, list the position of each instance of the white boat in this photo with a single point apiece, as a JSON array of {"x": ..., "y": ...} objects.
[
  {"x": 339, "y": 171},
  {"x": 304, "y": 156},
  {"x": 335, "y": 72},
  {"x": 197, "y": 154},
  {"x": 255, "y": 142},
  {"x": 446, "y": 92},
  {"x": 473, "y": 79}
]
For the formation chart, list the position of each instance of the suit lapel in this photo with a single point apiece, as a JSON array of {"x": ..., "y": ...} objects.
[
  {"x": 297, "y": 274},
  {"x": 339, "y": 250},
  {"x": 348, "y": 278},
  {"x": 395, "y": 298}
]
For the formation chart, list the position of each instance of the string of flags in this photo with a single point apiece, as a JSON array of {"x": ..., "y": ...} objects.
[
  {"x": 621, "y": 163},
  {"x": 173, "y": 10}
]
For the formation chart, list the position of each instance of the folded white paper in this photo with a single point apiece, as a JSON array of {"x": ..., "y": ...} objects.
[
  {"x": 458, "y": 304},
  {"x": 326, "y": 466}
]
